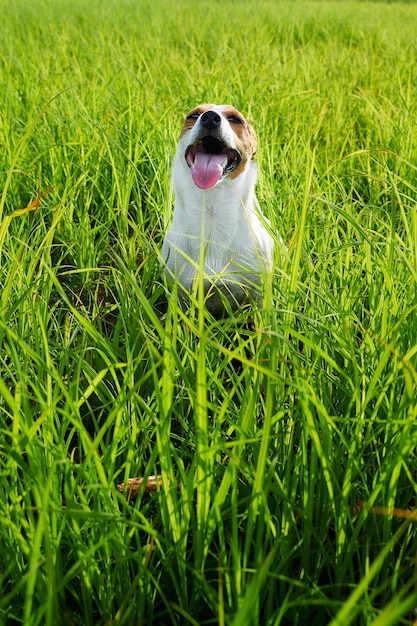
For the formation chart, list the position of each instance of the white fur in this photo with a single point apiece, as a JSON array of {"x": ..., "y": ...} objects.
[{"x": 225, "y": 220}]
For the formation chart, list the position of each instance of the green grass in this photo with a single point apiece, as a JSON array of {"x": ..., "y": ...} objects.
[{"x": 283, "y": 449}]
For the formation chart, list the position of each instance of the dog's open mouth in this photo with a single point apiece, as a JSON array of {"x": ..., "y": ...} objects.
[{"x": 209, "y": 159}]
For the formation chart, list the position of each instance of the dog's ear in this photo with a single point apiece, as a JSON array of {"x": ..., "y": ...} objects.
[{"x": 254, "y": 141}]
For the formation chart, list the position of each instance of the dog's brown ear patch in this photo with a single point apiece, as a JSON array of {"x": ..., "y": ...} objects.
[
  {"x": 250, "y": 140},
  {"x": 254, "y": 140}
]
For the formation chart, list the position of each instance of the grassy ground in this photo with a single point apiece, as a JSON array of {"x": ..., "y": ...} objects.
[{"x": 279, "y": 476}]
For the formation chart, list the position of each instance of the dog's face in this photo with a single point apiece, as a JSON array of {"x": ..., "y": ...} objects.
[{"x": 216, "y": 142}]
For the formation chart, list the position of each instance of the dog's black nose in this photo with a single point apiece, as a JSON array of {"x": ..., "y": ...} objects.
[{"x": 210, "y": 120}]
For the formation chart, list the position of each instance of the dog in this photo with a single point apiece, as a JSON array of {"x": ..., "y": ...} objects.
[{"x": 217, "y": 227}]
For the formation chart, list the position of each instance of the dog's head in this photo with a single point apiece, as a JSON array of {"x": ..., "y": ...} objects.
[{"x": 216, "y": 142}]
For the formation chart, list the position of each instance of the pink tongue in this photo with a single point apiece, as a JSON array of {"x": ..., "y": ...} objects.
[{"x": 207, "y": 169}]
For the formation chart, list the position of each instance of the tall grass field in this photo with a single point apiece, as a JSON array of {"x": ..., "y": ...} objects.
[{"x": 283, "y": 453}]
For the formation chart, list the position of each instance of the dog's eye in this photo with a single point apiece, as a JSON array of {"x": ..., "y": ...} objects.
[
  {"x": 193, "y": 116},
  {"x": 234, "y": 119}
]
